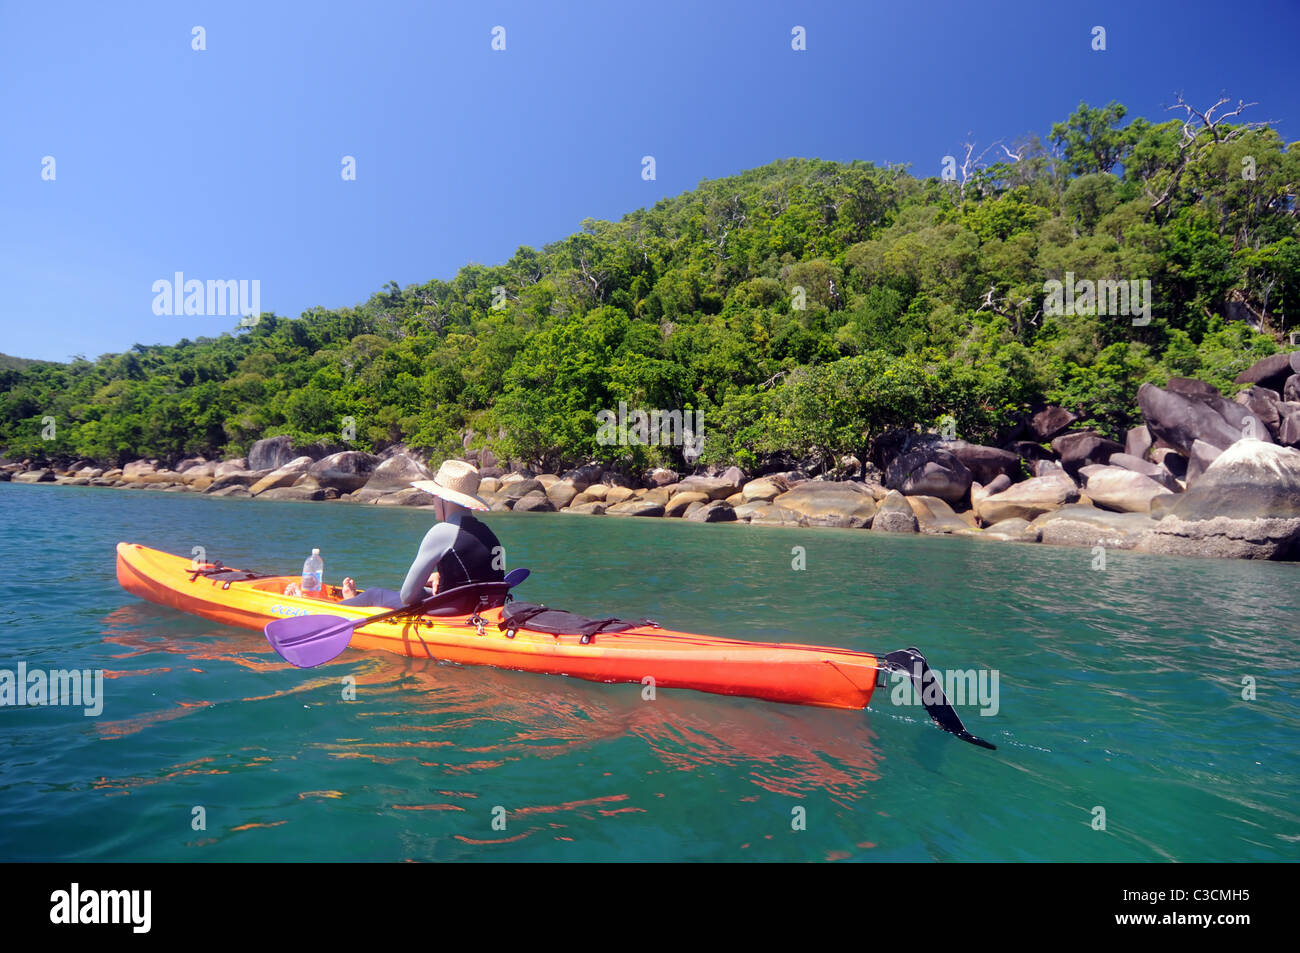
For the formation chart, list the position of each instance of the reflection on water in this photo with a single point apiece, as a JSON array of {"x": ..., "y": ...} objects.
[
  {"x": 417, "y": 707},
  {"x": 1121, "y": 688}
]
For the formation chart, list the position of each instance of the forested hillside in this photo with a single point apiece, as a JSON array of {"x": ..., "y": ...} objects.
[
  {"x": 921, "y": 297},
  {"x": 9, "y": 362}
]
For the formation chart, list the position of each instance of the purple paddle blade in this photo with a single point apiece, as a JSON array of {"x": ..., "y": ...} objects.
[{"x": 310, "y": 640}]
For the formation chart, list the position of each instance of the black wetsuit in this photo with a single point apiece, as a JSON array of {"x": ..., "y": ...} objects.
[{"x": 462, "y": 550}]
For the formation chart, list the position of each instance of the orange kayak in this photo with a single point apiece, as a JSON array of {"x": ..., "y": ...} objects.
[{"x": 779, "y": 672}]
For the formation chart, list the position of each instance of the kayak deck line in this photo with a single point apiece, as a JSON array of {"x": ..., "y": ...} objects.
[{"x": 790, "y": 673}]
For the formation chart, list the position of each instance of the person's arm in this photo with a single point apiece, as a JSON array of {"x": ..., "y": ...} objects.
[{"x": 436, "y": 544}]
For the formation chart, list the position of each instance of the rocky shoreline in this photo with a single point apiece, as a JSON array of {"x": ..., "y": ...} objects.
[{"x": 1202, "y": 476}]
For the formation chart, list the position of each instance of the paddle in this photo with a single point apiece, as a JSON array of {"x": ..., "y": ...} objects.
[
  {"x": 912, "y": 662},
  {"x": 310, "y": 640}
]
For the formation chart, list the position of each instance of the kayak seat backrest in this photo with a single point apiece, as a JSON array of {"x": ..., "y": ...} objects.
[{"x": 466, "y": 599}]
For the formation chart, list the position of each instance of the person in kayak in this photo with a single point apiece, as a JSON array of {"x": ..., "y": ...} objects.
[{"x": 456, "y": 551}]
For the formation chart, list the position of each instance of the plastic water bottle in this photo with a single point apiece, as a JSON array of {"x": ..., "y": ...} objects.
[{"x": 313, "y": 571}]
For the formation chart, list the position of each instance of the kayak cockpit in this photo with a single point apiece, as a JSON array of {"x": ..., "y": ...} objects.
[{"x": 277, "y": 584}]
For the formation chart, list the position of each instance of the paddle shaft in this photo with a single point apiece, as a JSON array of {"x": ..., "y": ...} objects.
[
  {"x": 342, "y": 624},
  {"x": 514, "y": 578}
]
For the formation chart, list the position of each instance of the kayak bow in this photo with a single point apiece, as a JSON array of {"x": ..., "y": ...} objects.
[{"x": 645, "y": 653}]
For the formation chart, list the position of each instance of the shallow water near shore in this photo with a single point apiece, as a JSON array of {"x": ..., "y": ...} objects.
[{"x": 1119, "y": 689}]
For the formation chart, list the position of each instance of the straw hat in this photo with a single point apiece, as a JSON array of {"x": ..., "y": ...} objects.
[{"x": 457, "y": 482}]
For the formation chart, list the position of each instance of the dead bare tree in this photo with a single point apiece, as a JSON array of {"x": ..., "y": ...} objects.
[
  {"x": 592, "y": 278},
  {"x": 721, "y": 220},
  {"x": 971, "y": 163},
  {"x": 1197, "y": 125},
  {"x": 1212, "y": 125},
  {"x": 837, "y": 302},
  {"x": 778, "y": 198},
  {"x": 637, "y": 234},
  {"x": 1009, "y": 308},
  {"x": 431, "y": 310}
]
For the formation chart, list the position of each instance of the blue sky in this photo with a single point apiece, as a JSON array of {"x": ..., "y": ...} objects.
[{"x": 225, "y": 163}]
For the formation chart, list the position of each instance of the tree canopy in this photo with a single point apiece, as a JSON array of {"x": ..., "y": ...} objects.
[{"x": 802, "y": 307}]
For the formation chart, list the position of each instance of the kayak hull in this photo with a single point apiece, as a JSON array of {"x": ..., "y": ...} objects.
[{"x": 780, "y": 672}]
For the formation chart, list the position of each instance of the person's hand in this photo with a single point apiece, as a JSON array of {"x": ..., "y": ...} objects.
[
  {"x": 349, "y": 588},
  {"x": 292, "y": 589},
  {"x": 433, "y": 582}
]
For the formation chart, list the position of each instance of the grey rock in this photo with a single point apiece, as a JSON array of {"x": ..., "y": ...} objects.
[
  {"x": 407, "y": 497},
  {"x": 301, "y": 494},
  {"x": 41, "y": 475},
  {"x": 635, "y": 508},
  {"x": 1031, "y": 453},
  {"x": 284, "y": 476},
  {"x": 138, "y": 468},
  {"x": 895, "y": 515},
  {"x": 1050, "y": 422},
  {"x": 1288, "y": 431},
  {"x": 534, "y": 502},
  {"x": 1082, "y": 448},
  {"x": 518, "y": 489},
  {"x": 1152, "y": 470},
  {"x": 393, "y": 475},
  {"x": 1181, "y": 418},
  {"x": 1082, "y": 525},
  {"x": 244, "y": 478},
  {"x": 1202, "y": 455},
  {"x": 272, "y": 453},
  {"x": 1138, "y": 441},
  {"x": 764, "y": 489},
  {"x": 1162, "y": 504},
  {"x": 979, "y": 492},
  {"x": 715, "y": 488},
  {"x": 929, "y": 470},
  {"x": 1171, "y": 460},
  {"x": 1014, "y": 529},
  {"x": 346, "y": 472},
  {"x": 233, "y": 490},
  {"x": 986, "y": 463},
  {"x": 1245, "y": 505},
  {"x": 199, "y": 473},
  {"x": 1264, "y": 404},
  {"x": 824, "y": 503},
  {"x": 1116, "y": 488},
  {"x": 934, "y": 517},
  {"x": 660, "y": 476},
  {"x": 1272, "y": 372},
  {"x": 584, "y": 476},
  {"x": 1029, "y": 499},
  {"x": 561, "y": 493},
  {"x": 734, "y": 476},
  {"x": 680, "y": 502},
  {"x": 714, "y": 512}
]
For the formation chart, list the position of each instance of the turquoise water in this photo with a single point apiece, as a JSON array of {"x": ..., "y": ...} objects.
[{"x": 1119, "y": 689}]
